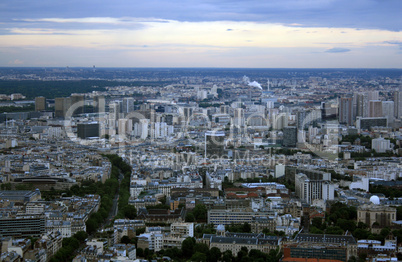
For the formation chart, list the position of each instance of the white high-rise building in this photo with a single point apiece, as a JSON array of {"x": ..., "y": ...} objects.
[
  {"x": 279, "y": 121},
  {"x": 311, "y": 189},
  {"x": 375, "y": 108},
  {"x": 162, "y": 130},
  {"x": 381, "y": 145},
  {"x": 398, "y": 104},
  {"x": 239, "y": 120},
  {"x": 346, "y": 111},
  {"x": 144, "y": 128},
  {"x": 279, "y": 170},
  {"x": 388, "y": 111},
  {"x": 362, "y": 105},
  {"x": 124, "y": 127},
  {"x": 128, "y": 105},
  {"x": 373, "y": 95},
  {"x": 202, "y": 94},
  {"x": 114, "y": 109}
]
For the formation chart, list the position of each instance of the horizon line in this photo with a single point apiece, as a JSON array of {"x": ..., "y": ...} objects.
[{"x": 155, "y": 67}]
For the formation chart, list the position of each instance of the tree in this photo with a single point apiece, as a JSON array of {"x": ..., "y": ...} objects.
[
  {"x": 201, "y": 247},
  {"x": 399, "y": 213},
  {"x": 140, "y": 231},
  {"x": 6, "y": 186},
  {"x": 92, "y": 225},
  {"x": 385, "y": 232},
  {"x": 187, "y": 247},
  {"x": 173, "y": 253},
  {"x": 275, "y": 254},
  {"x": 199, "y": 257},
  {"x": 314, "y": 230},
  {"x": 352, "y": 259},
  {"x": 190, "y": 217},
  {"x": 70, "y": 241},
  {"x": 242, "y": 255},
  {"x": 346, "y": 224},
  {"x": 125, "y": 240},
  {"x": 257, "y": 255},
  {"x": 317, "y": 222},
  {"x": 81, "y": 236},
  {"x": 130, "y": 212},
  {"x": 140, "y": 252},
  {"x": 227, "y": 256},
  {"x": 362, "y": 225},
  {"x": 148, "y": 253},
  {"x": 200, "y": 212},
  {"x": 361, "y": 233},
  {"x": 246, "y": 228},
  {"x": 214, "y": 254},
  {"x": 334, "y": 230},
  {"x": 362, "y": 257}
]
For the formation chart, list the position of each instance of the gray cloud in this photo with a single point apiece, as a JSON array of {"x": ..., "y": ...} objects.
[
  {"x": 393, "y": 42},
  {"x": 337, "y": 50},
  {"x": 310, "y": 13}
]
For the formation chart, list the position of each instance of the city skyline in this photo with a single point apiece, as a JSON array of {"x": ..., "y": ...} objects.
[{"x": 289, "y": 34}]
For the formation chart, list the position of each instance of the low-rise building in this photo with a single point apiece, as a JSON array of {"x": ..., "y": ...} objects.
[
  {"x": 381, "y": 215},
  {"x": 235, "y": 241}
]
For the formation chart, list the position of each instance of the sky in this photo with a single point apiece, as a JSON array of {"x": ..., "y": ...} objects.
[{"x": 202, "y": 33}]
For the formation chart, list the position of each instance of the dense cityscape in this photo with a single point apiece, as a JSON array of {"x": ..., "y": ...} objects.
[{"x": 200, "y": 164}]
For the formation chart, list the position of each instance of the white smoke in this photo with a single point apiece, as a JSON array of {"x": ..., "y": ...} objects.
[
  {"x": 255, "y": 84},
  {"x": 246, "y": 80}
]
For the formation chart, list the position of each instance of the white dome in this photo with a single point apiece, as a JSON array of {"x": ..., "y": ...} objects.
[
  {"x": 220, "y": 228},
  {"x": 375, "y": 200}
]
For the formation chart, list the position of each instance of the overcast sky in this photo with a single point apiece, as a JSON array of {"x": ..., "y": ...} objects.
[{"x": 202, "y": 33}]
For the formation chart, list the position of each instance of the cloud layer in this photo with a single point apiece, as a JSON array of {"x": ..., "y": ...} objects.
[{"x": 227, "y": 33}]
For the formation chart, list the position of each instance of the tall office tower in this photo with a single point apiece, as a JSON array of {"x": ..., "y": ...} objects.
[
  {"x": 188, "y": 113},
  {"x": 224, "y": 109},
  {"x": 161, "y": 130},
  {"x": 145, "y": 107},
  {"x": 346, "y": 111},
  {"x": 40, "y": 103},
  {"x": 280, "y": 120},
  {"x": 61, "y": 106},
  {"x": 362, "y": 105},
  {"x": 239, "y": 117},
  {"x": 354, "y": 102},
  {"x": 122, "y": 126},
  {"x": 99, "y": 104},
  {"x": 388, "y": 111},
  {"x": 128, "y": 105},
  {"x": 114, "y": 111},
  {"x": 78, "y": 102},
  {"x": 375, "y": 107},
  {"x": 90, "y": 129},
  {"x": 328, "y": 109},
  {"x": 300, "y": 120},
  {"x": 214, "y": 144},
  {"x": 398, "y": 104},
  {"x": 144, "y": 128},
  {"x": 373, "y": 95},
  {"x": 289, "y": 136}
]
